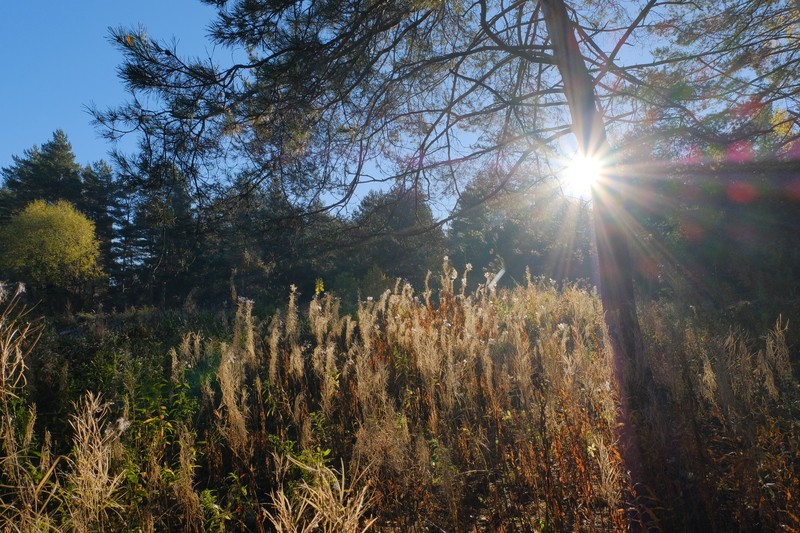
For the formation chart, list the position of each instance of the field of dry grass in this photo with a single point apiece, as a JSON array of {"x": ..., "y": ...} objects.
[{"x": 443, "y": 410}]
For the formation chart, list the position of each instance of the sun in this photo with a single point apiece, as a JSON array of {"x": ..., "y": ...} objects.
[{"x": 580, "y": 175}]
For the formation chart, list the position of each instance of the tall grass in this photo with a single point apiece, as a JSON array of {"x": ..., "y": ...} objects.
[{"x": 451, "y": 410}]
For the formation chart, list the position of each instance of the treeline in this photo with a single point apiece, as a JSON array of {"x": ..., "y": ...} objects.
[
  {"x": 161, "y": 246},
  {"x": 720, "y": 237}
]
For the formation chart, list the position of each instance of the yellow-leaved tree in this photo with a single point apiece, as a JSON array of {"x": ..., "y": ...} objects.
[{"x": 51, "y": 247}]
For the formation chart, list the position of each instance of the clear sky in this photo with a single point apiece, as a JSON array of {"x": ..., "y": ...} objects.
[{"x": 56, "y": 60}]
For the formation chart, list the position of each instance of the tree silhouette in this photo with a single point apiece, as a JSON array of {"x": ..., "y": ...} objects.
[{"x": 327, "y": 98}]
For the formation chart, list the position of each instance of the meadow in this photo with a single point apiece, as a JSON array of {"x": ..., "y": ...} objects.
[{"x": 436, "y": 409}]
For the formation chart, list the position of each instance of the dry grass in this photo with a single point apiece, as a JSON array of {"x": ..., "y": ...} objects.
[
  {"x": 321, "y": 501},
  {"x": 454, "y": 411},
  {"x": 89, "y": 480},
  {"x": 723, "y": 426},
  {"x": 29, "y": 491}
]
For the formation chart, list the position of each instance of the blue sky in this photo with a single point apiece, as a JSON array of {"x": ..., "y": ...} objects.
[{"x": 56, "y": 60}]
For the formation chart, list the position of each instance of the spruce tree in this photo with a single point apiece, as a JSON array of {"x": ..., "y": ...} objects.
[{"x": 48, "y": 173}]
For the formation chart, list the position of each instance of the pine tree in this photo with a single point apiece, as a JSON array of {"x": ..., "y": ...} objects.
[{"x": 48, "y": 173}]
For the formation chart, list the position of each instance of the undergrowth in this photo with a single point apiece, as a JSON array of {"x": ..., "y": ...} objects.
[{"x": 445, "y": 410}]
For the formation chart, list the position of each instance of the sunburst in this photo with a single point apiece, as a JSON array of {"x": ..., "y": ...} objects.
[{"x": 581, "y": 174}]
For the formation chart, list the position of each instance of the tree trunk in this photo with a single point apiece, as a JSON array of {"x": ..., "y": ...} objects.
[{"x": 614, "y": 258}]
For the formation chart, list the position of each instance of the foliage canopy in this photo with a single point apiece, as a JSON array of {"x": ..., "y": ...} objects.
[
  {"x": 325, "y": 97},
  {"x": 50, "y": 245}
]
